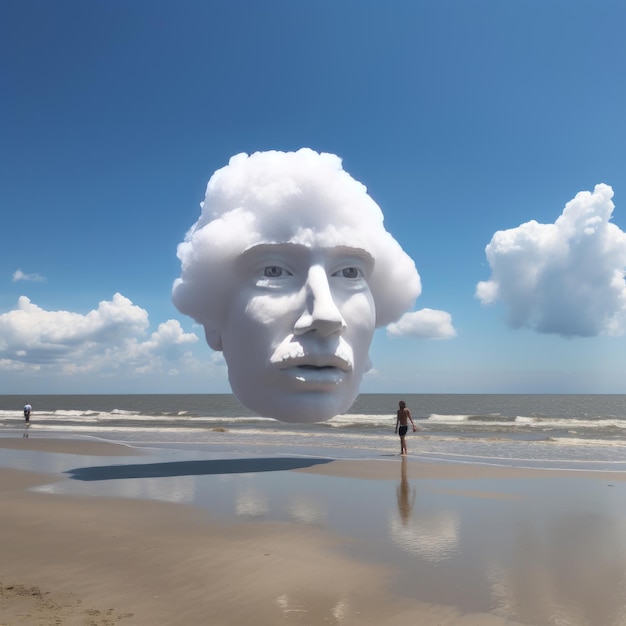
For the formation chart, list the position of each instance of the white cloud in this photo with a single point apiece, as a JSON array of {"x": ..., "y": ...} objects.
[
  {"x": 107, "y": 340},
  {"x": 565, "y": 278},
  {"x": 34, "y": 278},
  {"x": 300, "y": 197},
  {"x": 425, "y": 324}
]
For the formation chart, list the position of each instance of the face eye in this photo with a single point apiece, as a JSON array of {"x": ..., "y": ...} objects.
[
  {"x": 349, "y": 272},
  {"x": 275, "y": 271}
]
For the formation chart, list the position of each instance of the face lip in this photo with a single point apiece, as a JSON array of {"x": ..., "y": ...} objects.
[
  {"x": 313, "y": 362},
  {"x": 311, "y": 378}
]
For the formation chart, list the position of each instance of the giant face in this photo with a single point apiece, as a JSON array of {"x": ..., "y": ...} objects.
[
  {"x": 298, "y": 331},
  {"x": 290, "y": 270}
]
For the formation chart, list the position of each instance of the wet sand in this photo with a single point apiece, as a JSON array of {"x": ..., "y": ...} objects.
[
  {"x": 68, "y": 446},
  {"x": 464, "y": 545}
]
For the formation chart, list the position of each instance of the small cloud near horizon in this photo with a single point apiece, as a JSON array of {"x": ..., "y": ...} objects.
[
  {"x": 423, "y": 324},
  {"x": 33, "y": 278},
  {"x": 565, "y": 278}
]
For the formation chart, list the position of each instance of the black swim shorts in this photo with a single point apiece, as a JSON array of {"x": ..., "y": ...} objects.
[{"x": 402, "y": 430}]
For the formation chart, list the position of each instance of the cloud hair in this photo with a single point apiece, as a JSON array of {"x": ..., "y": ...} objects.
[{"x": 301, "y": 197}]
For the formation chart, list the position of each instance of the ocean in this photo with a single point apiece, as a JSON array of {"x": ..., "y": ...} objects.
[{"x": 548, "y": 431}]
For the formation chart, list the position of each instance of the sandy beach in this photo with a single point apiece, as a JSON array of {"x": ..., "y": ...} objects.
[{"x": 457, "y": 544}]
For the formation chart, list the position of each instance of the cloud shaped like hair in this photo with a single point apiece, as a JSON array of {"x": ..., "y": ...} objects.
[
  {"x": 299, "y": 197},
  {"x": 565, "y": 278}
]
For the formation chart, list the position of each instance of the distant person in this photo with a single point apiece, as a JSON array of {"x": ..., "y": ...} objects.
[
  {"x": 404, "y": 416},
  {"x": 27, "y": 410}
]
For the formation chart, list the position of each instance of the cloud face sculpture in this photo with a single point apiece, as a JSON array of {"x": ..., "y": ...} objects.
[{"x": 290, "y": 269}]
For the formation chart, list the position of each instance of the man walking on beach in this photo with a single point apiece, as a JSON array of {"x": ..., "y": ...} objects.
[
  {"x": 27, "y": 410},
  {"x": 404, "y": 416}
]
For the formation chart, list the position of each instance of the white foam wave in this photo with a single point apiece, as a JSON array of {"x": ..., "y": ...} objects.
[
  {"x": 360, "y": 419},
  {"x": 521, "y": 419},
  {"x": 588, "y": 443},
  {"x": 571, "y": 423},
  {"x": 447, "y": 419}
]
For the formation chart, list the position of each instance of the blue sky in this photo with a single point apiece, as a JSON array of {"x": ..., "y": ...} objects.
[{"x": 462, "y": 119}]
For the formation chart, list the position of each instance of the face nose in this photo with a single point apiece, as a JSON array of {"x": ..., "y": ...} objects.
[{"x": 320, "y": 313}]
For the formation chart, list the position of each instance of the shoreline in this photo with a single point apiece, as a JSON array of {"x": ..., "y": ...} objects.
[
  {"x": 75, "y": 446},
  {"x": 411, "y": 542}
]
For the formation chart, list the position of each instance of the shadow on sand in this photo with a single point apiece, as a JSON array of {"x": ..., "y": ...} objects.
[{"x": 191, "y": 468}]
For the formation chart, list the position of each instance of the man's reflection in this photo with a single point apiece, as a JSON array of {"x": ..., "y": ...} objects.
[
  {"x": 405, "y": 495},
  {"x": 430, "y": 533}
]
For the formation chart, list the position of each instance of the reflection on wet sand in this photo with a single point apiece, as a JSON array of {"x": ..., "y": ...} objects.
[
  {"x": 542, "y": 551},
  {"x": 307, "y": 509},
  {"x": 525, "y": 547},
  {"x": 432, "y": 536},
  {"x": 405, "y": 495},
  {"x": 251, "y": 502},
  {"x": 570, "y": 571}
]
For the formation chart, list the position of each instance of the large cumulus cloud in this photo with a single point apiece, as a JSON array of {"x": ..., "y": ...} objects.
[
  {"x": 565, "y": 278},
  {"x": 110, "y": 338}
]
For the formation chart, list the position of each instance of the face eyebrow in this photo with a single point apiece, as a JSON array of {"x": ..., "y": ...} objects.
[
  {"x": 348, "y": 251},
  {"x": 262, "y": 249}
]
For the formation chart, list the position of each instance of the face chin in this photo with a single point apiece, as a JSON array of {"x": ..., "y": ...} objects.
[{"x": 293, "y": 396}]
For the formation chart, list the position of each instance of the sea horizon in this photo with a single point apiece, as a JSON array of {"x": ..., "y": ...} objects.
[{"x": 528, "y": 430}]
